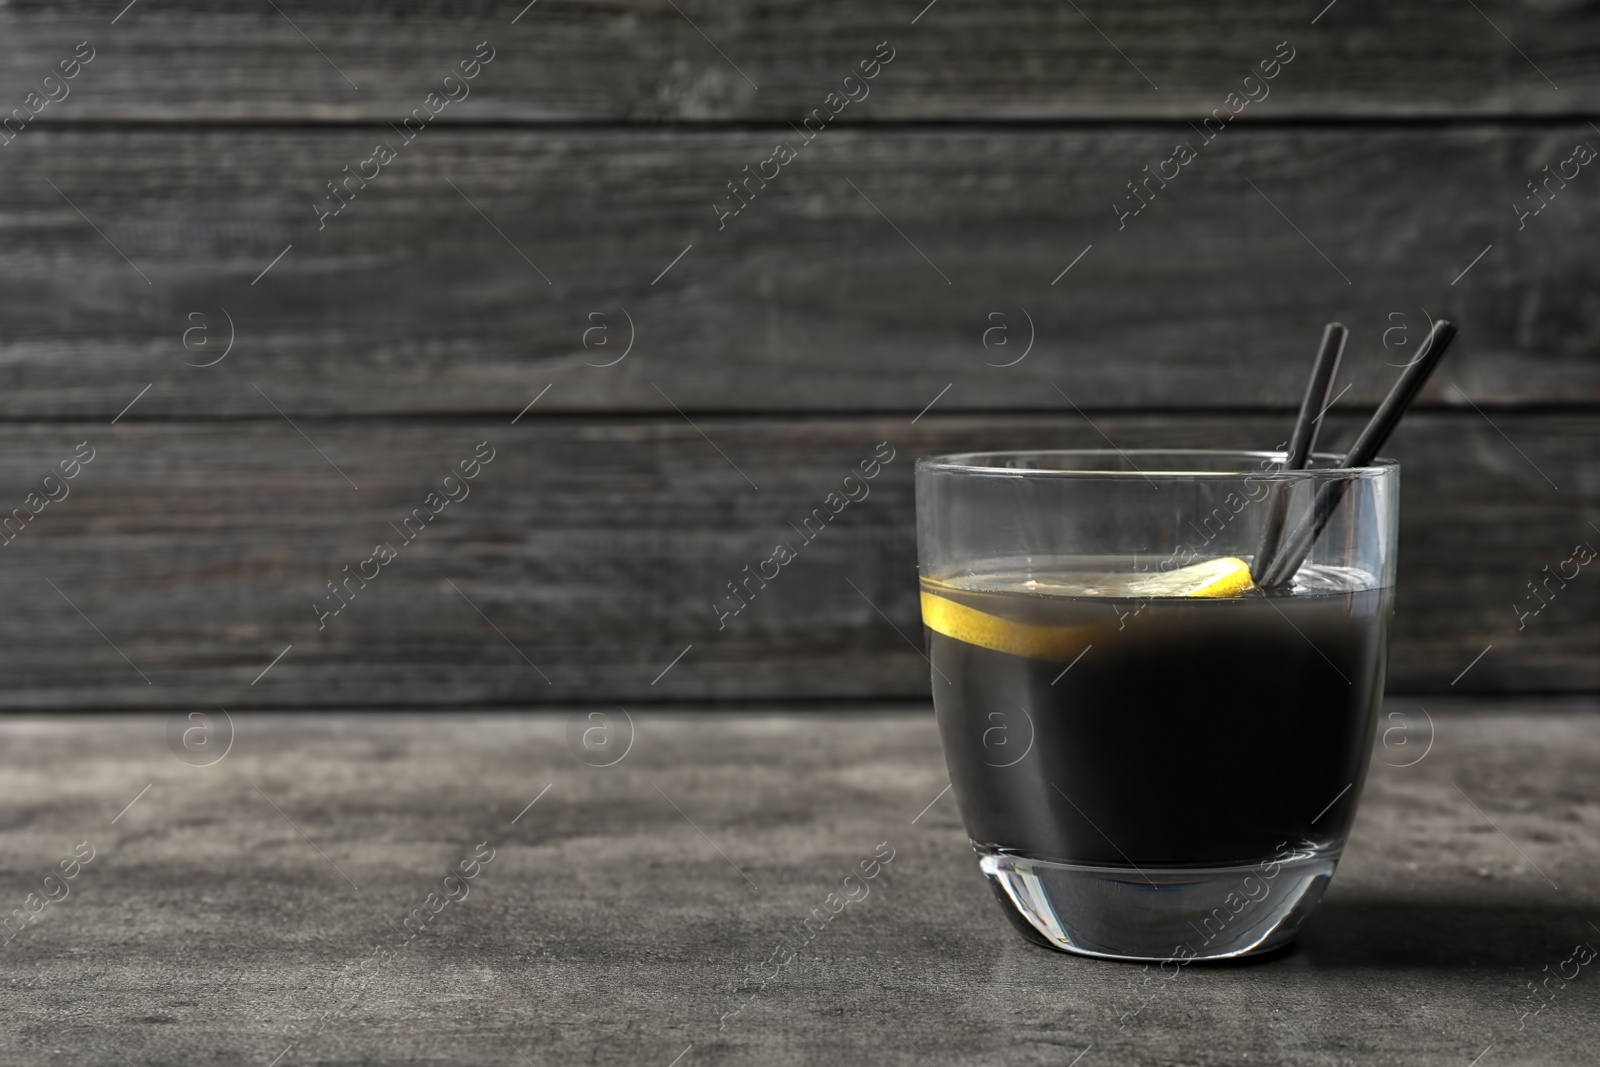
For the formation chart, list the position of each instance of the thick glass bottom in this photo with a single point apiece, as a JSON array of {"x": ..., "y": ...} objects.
[{"x": 1161, "y": 913}]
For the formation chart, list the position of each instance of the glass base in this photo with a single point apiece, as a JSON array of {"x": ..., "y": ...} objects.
[{"x": 1160, "y": 913}]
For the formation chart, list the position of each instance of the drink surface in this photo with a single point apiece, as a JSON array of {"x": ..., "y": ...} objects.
[{"x": 1141, "y": 729}]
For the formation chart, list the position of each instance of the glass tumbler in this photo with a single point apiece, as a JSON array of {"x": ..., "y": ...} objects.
[{"x": 1157, "y": 678}]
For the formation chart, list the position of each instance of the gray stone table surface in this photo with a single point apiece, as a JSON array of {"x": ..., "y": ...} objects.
[{"x": 274, "y": 907}]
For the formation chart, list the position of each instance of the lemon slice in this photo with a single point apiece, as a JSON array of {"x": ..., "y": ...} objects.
[
  {"x": 1227, "y": 576},
  {"x": 1002, "y": 635},
  {"x": 1213, "y": 578}
]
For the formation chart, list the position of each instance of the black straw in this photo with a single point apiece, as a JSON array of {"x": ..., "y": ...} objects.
[
  {"x": 1303, "y": 441},
  {"x": 1389, "y": 413},
  {"x": 1377, "y": 431}
]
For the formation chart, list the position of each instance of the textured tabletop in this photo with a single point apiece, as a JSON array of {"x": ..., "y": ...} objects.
[{"x": 461, "y": 888}]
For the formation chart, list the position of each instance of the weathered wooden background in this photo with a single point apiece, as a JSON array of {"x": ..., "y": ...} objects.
[{"x": 562, "y": 214}]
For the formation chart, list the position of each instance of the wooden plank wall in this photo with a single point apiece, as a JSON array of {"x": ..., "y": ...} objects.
[{"x": 270, "y": 373}]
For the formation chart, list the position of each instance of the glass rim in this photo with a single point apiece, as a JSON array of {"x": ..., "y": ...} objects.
[{"x": 972, "y": 463}]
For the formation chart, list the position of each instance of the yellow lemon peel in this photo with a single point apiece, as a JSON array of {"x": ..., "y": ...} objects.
[
  {"x": 979, "y": 628},
  {"x": 1227, "y": 576}
]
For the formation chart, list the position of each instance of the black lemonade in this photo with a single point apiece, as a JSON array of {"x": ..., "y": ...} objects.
[{"x": 1086, "y": 719}]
